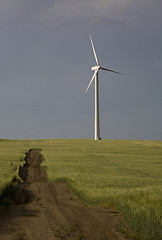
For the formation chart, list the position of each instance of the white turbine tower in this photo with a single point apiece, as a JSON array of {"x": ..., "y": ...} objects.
[{"x": 95, "y": 76}]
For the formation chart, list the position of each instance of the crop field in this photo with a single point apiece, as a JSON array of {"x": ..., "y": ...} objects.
[{"x": 124, "y": 174}]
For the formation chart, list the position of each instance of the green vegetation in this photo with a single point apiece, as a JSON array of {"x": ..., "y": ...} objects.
[{"x": 124, "y": 174}]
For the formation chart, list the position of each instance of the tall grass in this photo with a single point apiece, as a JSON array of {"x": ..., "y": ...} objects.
[{"x": 124, "y": 174}]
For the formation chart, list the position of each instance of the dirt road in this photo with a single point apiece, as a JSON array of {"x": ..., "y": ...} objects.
[{"x": 47, "y": 211}]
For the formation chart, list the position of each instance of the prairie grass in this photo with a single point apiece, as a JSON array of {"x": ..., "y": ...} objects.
[{"x": 124, "y": 174}]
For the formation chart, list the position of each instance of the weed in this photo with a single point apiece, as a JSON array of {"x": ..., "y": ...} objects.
[
  {"x": 8, "y": 194},
  {"x": 16, "y": 179},
  {"x": 80, "y": 237}
]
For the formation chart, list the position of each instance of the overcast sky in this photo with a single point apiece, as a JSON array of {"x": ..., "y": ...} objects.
[{"x": 45, "y": 67}]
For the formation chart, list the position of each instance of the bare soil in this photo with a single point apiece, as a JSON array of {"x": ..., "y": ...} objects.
[{"x": 48, "y": 211}]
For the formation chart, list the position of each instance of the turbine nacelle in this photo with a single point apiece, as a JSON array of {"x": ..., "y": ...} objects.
[{"x": 95, "y": 68}]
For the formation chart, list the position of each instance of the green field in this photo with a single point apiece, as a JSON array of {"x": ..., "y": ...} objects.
[{"x": 125, "y": 174}]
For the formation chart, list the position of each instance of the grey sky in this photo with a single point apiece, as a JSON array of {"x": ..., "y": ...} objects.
[{"x": 45, "y": 61}]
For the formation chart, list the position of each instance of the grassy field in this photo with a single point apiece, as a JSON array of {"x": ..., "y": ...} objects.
[{"x": 124, "y": 174}]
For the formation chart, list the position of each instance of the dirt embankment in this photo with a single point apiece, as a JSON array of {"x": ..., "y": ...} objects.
[{"x": 49, "y": 211}]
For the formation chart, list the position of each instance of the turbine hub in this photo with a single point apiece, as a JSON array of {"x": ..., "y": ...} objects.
[{"x": 95, "y": 68}]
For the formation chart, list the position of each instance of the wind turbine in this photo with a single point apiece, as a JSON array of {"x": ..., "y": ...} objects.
[{"x": 95, "y": 76}]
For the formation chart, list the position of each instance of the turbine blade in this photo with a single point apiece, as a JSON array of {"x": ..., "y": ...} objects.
[
  {"x": 109, "y": 70},
  {"x": 94, "y": 50},
  {"x": 91, "y": 80}
]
